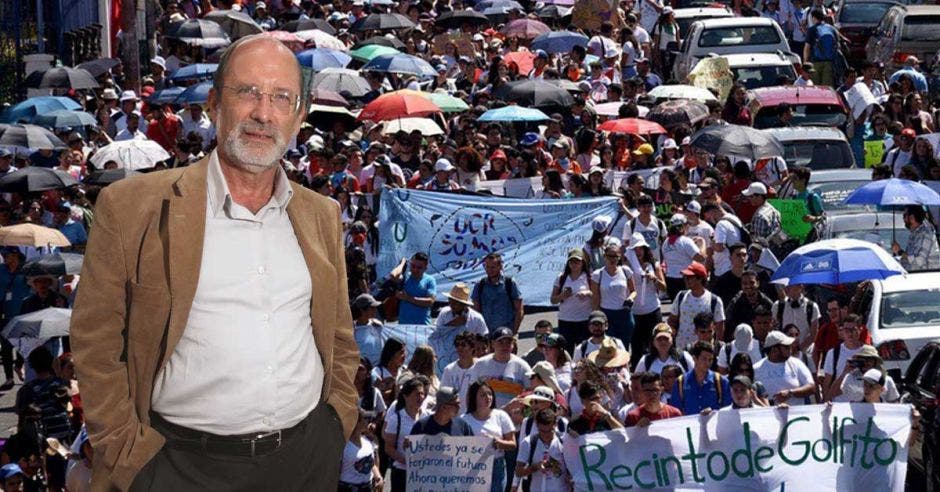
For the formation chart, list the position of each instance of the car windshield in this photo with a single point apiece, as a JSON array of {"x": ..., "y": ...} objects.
[
  {"x": 737, "y": 36},
  {"x": 825, "y": 154},
  {"x": 754, "y": 77},
  {"x": 921, "y": 28},
  {"x": 803, "y": 115},
  {"x": 863, "y": 13},
  {"x": 910, "y": 309},
  {"x": 881, "y": 237},
  {"x": 688, "y": 4},
  {"x": 833, "y": 192}
]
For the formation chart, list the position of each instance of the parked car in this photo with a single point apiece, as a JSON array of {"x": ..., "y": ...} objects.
[
  {"x": 812, "y": 106},
  {"x": 905, "y": 30},
  {"x": 817, "y": 148},
  {"x": 756, "y": 70},
  {"x": 729, "y": 36},
  {"x": 686, "y": 16},
  {"x": 833, "y": 186},
  {"x": 875, "y": 227},
  {"x": 921, "y": 388},
  {"x": 857, "y": 20}
]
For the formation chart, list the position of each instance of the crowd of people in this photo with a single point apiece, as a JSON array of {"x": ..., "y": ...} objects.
[{"x": 617, "y": 356}]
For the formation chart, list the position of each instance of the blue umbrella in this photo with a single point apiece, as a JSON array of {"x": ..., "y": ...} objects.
[
  {"x": 165, "y": 96},
  {"x": 25, "y": 111},
  {"x": 893, "y": 191},
  {"x": 195, "y": 94},
  {"x": 320, "y": 58},
  {"x": 513, "y": 113},
  {"x": 400, "y": 63},
  {"x": 836, "y": 261},
  {"x": 62, "y": 118},
  {"x": 194, "y": 71},
  {"x": 559, "y": 41}
]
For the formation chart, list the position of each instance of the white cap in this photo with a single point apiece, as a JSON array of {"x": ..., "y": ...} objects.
[
  {"x": 443, "y": 165},
  {"x": 874, "y": 376},
  {"x": 693, "y": 207},
  {"x": 687, "y": 141},
  {"x": 315, "y": 142},
  {"x": 776, "y": 337},
  {"x": 678, "y": 219},
  {"x": 756, "y": 188},
  {"x": 669, "y": 144},
  {"x": 668, "y": 10},
  {"x": 637, "y": 240},
  {"x": 158, "y": 60},
  {"x": 128, "y": 96},
  {"x": 109, "y": 93},
  {"x": 261, "y": 5},
  {"x": 601, "y": 223},
  {"x": 612, "y": 242},
  {"x": 611, "y": 52}
]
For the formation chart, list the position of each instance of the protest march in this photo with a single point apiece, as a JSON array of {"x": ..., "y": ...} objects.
[{"x": 470, "y": 245}]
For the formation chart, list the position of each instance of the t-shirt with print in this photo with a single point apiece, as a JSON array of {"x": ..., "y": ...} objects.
[
  {"x": 497, "y": 425},
  {"x": 357, "y": 462},
  {"x": 507, "y": 379},
  {"x": 653, "y": 233},
  {"x": 691, "y": 306},
  {"x": 778, "y": 376}
]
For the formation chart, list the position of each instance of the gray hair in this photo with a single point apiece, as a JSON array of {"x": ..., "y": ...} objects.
[{"x": 219, "y": 80}]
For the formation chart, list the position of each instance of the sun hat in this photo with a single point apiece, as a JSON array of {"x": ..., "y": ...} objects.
[{"x": 460, "y": 293}]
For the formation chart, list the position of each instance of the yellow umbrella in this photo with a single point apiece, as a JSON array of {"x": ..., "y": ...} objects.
[{"x": 32, "y": 235}]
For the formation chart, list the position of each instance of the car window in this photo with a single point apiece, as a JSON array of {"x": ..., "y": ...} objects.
[
  {"x": 910, "y": 309},
  {"x": 930, "y": 375},
  {"x": 832, "y": 194},
  {"x": 921, "y": 28},
  {"x": 755, "y": 77},
  {"x": 881, "y": 237},
  {"x": 738, "y": 36},
  {"x": 824, "y": 154},
  {"x": 803, "y": 115},
  {"x": 863, "y": 13}
]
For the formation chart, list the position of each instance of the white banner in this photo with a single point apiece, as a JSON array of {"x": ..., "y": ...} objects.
[
  {"x": 850, "y": 447},
  {"x": 453, "y": 464},
  {"x": 512, "y": 188}
]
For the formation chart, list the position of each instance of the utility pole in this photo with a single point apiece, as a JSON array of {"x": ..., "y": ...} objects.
[{"x": 130, "y": 52}]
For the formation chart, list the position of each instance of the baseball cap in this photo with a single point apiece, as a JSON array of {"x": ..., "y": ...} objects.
[
  {"x": 687, "y": 141},
  {"x": 662, "y": 329},
  {"x": 576, "y": 253},
  {"x": 696, "y": 269},
  {"x": 443, "y": 165},
  {"x": 693, "y": 207},
  {"x": 909, "y": 133},
  {"x": 742, "y": 379},
  {"x": 541, "y": 54},
  {"x": 756, "y": 188},
  {"x": 446, "y": 395},
  {"x": 776, "y": 337},
  {"x": 10, "y": 470},
  {"x": 543, "y": 393},
  {"x": 678, "y": 219},
  {"x": 364, "y": 301},
  {"x": 595, "y": 169},
  {"x": 498, "y": 154},
  {"x": 597, "y": 316},
  {"x": 4, "y": 152},
  {"x": 555, "y": 340},
  {"x": 529, "y": 139},
  {"x": 669, "y": 144},
  {"x": 645, "y": 149},
  {"x": 261, "y": 5},
  {"x": 601, "y": 223},
  {"x": 874, "y": 376},
  {"x": 500, "y": 333}
]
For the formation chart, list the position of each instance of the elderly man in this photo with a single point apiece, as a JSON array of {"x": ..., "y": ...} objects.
[{"x": 213, "y": 338}]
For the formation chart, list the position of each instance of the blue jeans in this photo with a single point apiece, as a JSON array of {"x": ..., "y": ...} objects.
[
  {"x": 498, "y": 479},
  {"x": 620, "y": 324}
]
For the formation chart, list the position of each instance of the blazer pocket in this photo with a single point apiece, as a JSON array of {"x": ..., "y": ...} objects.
[{"x": 148, "y": 310}]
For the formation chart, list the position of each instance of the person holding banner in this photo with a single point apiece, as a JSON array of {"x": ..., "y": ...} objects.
[
  {"x": 652, "y": 409},
  {"x": 701, "y": 388},
  {"x": 786, "y": 378},
  {"x": 742, "y": 393}
]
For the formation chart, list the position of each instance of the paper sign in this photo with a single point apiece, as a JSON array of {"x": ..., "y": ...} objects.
[
  {"x": 442, "y": 463},
  {"x": 859, "y": 98},
  {"x": 590, "y": 14},
  {"x": 713, "y": 73},
  {"x": 874, "y": 152},
  {"x": 440, "y": 45},
  {"x": 791, "y": 217}
]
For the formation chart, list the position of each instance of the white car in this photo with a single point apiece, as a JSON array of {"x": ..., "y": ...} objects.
[
  {"x": 685, "y": 17},
  {"x": 903, "y": 315},
  {"x": 730, "y": 36}
]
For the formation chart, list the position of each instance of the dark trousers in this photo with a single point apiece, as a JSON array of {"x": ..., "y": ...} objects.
[
  {"x": 399, "y": 480},
  {"x": 674, "y": 286},
  {"x": 574, "y": 332},
  {"x": 307, "y": 460},
  {"x": 643, "y": 333}
]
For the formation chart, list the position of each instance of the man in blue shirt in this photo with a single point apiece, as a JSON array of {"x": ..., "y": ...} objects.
[
  {"x": 417, "y": 293},
  {"x": 701, "y": 388},
  {"x": 73, "y": 231},
  {"x": 497, "y": 297}
]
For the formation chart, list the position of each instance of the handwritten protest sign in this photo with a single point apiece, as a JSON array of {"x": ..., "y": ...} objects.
[
  {"x": 590, "y": 14},
  {"x": 713, "y": 73},
  {"x": 440, "y": 45},
  {"x": 874, "y": 152},
  {"x": 791, "y": 217},
  {"x": 849, "y": 447},
  {"x": 860, "y": 98},
  {"x": 442, "y": 463}
]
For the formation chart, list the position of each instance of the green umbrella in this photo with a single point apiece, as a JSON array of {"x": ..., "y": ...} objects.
[
  {"x": 370, "y": 51},
  {"x": 447, "y": 103}
]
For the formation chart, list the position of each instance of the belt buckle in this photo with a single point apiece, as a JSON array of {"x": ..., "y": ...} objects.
[{"x": 258, "y": 437}]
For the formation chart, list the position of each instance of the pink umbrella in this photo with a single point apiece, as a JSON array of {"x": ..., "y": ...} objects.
[
  {"x": 525, "y": 28},
  {"x": 633, "y": 126},
  {"x": 291, "y": 40},
  {"x": 523, "y": 59}
]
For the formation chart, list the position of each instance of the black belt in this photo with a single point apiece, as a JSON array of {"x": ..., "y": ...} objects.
[{"x": 247, "y": 445}]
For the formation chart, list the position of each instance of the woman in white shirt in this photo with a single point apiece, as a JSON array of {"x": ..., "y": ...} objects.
[
  {"x": 359, "y": 468},
  {"x": 649, "y": 282},
  {"x": 407, "y": 410},
  {"x": 631, "y": 51},
  {"x": 486, "y": 420},
  {"x": 613, "y": 291},
  {"x": 679, "y": 251},
  {"x": 573, "y": 295}
]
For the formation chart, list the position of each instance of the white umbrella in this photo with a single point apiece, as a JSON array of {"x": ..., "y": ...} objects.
[
  {"x": 613, "y": 109},
  {"x": 424, "y": 126},
  {"x": 28, "y": 331},
  {"x": 322, "y": 39},
  {"x": 680, "y": 91},
  {"x": 134, "y": 154}
]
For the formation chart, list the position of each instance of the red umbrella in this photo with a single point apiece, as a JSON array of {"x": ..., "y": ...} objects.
[
  {"x": 291, "y": 40},
  {"x": 397, "y": 104},
  {"x": 523, "y": 59},
  {"x": 525, "y": 28},
  {"x": 633, "y": 126}
]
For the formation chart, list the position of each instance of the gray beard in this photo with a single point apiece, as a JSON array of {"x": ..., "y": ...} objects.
[{"x": 245, "y": 156}]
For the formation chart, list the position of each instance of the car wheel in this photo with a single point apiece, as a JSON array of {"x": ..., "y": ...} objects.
[{"x": 930, "y": 477}]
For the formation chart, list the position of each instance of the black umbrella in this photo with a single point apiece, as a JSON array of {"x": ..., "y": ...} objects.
[
  {"x": 235, "y": 23},
  {"x": 54, "y": 264},
  {"x": 678, "y": 112},
  {"x": 381, "y": 41},
  {"x": 554, "y": 12},
  {"x": 343, "y": 81},
  {"x": 737, "y": 140},
  {"x": 104, "y": 177},
  {"x": 308, "y": 24},
  {"x": 382, "y": 22},
  {"x": 324, "y": 117},
  {"x": 99, "y": 66},
  {"x": 534, "y": 93},
  {"x": 457, "y": 18},
  {"x": 30, "y": 136},
  {"x": 61, "y": 78},
  {"x": 32, "y": 179},
  {"x": 198, "y": 32}
]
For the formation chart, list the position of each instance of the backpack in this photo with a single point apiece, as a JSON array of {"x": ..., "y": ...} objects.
[
  {"x": 682, "y": 394},
  {"x": 680, "y": 298},
  {"x": 477, "y": 294},
  {"x": 742, "y": 232},
  {"x": 809, "y": 312},
  {"x": 825, "y": 47},
  {"x": 649, "y": 358}
]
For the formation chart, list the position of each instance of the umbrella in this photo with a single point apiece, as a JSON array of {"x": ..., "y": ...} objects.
[
  {"x": 893, "y": 191},
  {"x": 325, "y": 117},
  {"x": 513, "y": 113},
  {"x": 458, "y": 18},
  {"x": 54, "y": 264},
  {"x": 559, "y": 41},
  {"x": 28, "y": 331},
  {"x": 195, "y": 94},
  {"x": 321, "y": 39},
  {"x": 167, "y": 95},
  {"x": 194, "y": 71},
  {"x": 423, "y": 126},
  {"x": 523, "y": 59},
  {"x": 32, "y": 179},
  {"x": 99, "y": 66},
  {"x": 678, "y": 112},
  {"x": 381, "y": 22},
  {"x": 633, "y": 126},
  {"x": 198, "y": 32},
  {"x": 327, "y": 97},
  {"x": 104, "y": 177},
  {"x": 553, "y": 12},
  {"x": 613, "y": 109},
  {"x": 564, "y": 3},
  {"x": 447, "y": 103},
  {"x": 368, "y": 52},
  {"x": 28, "y": 109},
  {"x": 61, "y": 78},
  {"x": 737, "y": 140},
  {"x": 134, "y": 154},
  {"x": 32, "y": 235},
  {"x": 400, "y": 63},
  {"x": 341, "y": 80},
  {"x": 63, "y": 118},
  {"x": 502, "y": 5},
  {"x": 680, "y": 91},
  {"x": 291, "y": 40},
  {"x": 381, "y": 41},
  {"x": 310, "y": 24},
  {"x": 534, "y": 93},
  {"x": 30, "y": 137},
  {"x": 320, "y": 58},
  {"x": 397, "y": 104},
  {"x": 525, "y": 28},
  {"x": 836, "y": 261},
  {"x": 235, "y": 23}
]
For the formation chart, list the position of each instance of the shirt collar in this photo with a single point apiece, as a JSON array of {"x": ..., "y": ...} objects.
[{"x": 220, "y": 199}]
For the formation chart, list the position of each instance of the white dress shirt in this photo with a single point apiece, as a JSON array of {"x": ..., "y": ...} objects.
[{"x": 247, "y": 361}]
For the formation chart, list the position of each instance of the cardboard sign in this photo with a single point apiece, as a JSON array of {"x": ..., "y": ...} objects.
[
  {"x": 860, "y": 99},
  {"x": 791, "y": 217},
  {"x": 440, "y": 43},
  {"x": 713, "y": 73},
  {"x": 590, "y": 14}
]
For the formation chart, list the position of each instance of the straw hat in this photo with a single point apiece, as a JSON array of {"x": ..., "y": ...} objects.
[
  {"x": 609, "y": 355},
  {"x": 460, "y": 293}
]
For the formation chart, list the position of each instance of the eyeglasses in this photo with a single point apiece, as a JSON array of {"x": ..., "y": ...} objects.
[
  {"x": 283, "y": 101},
  {"x": 612, "y": 257}
]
